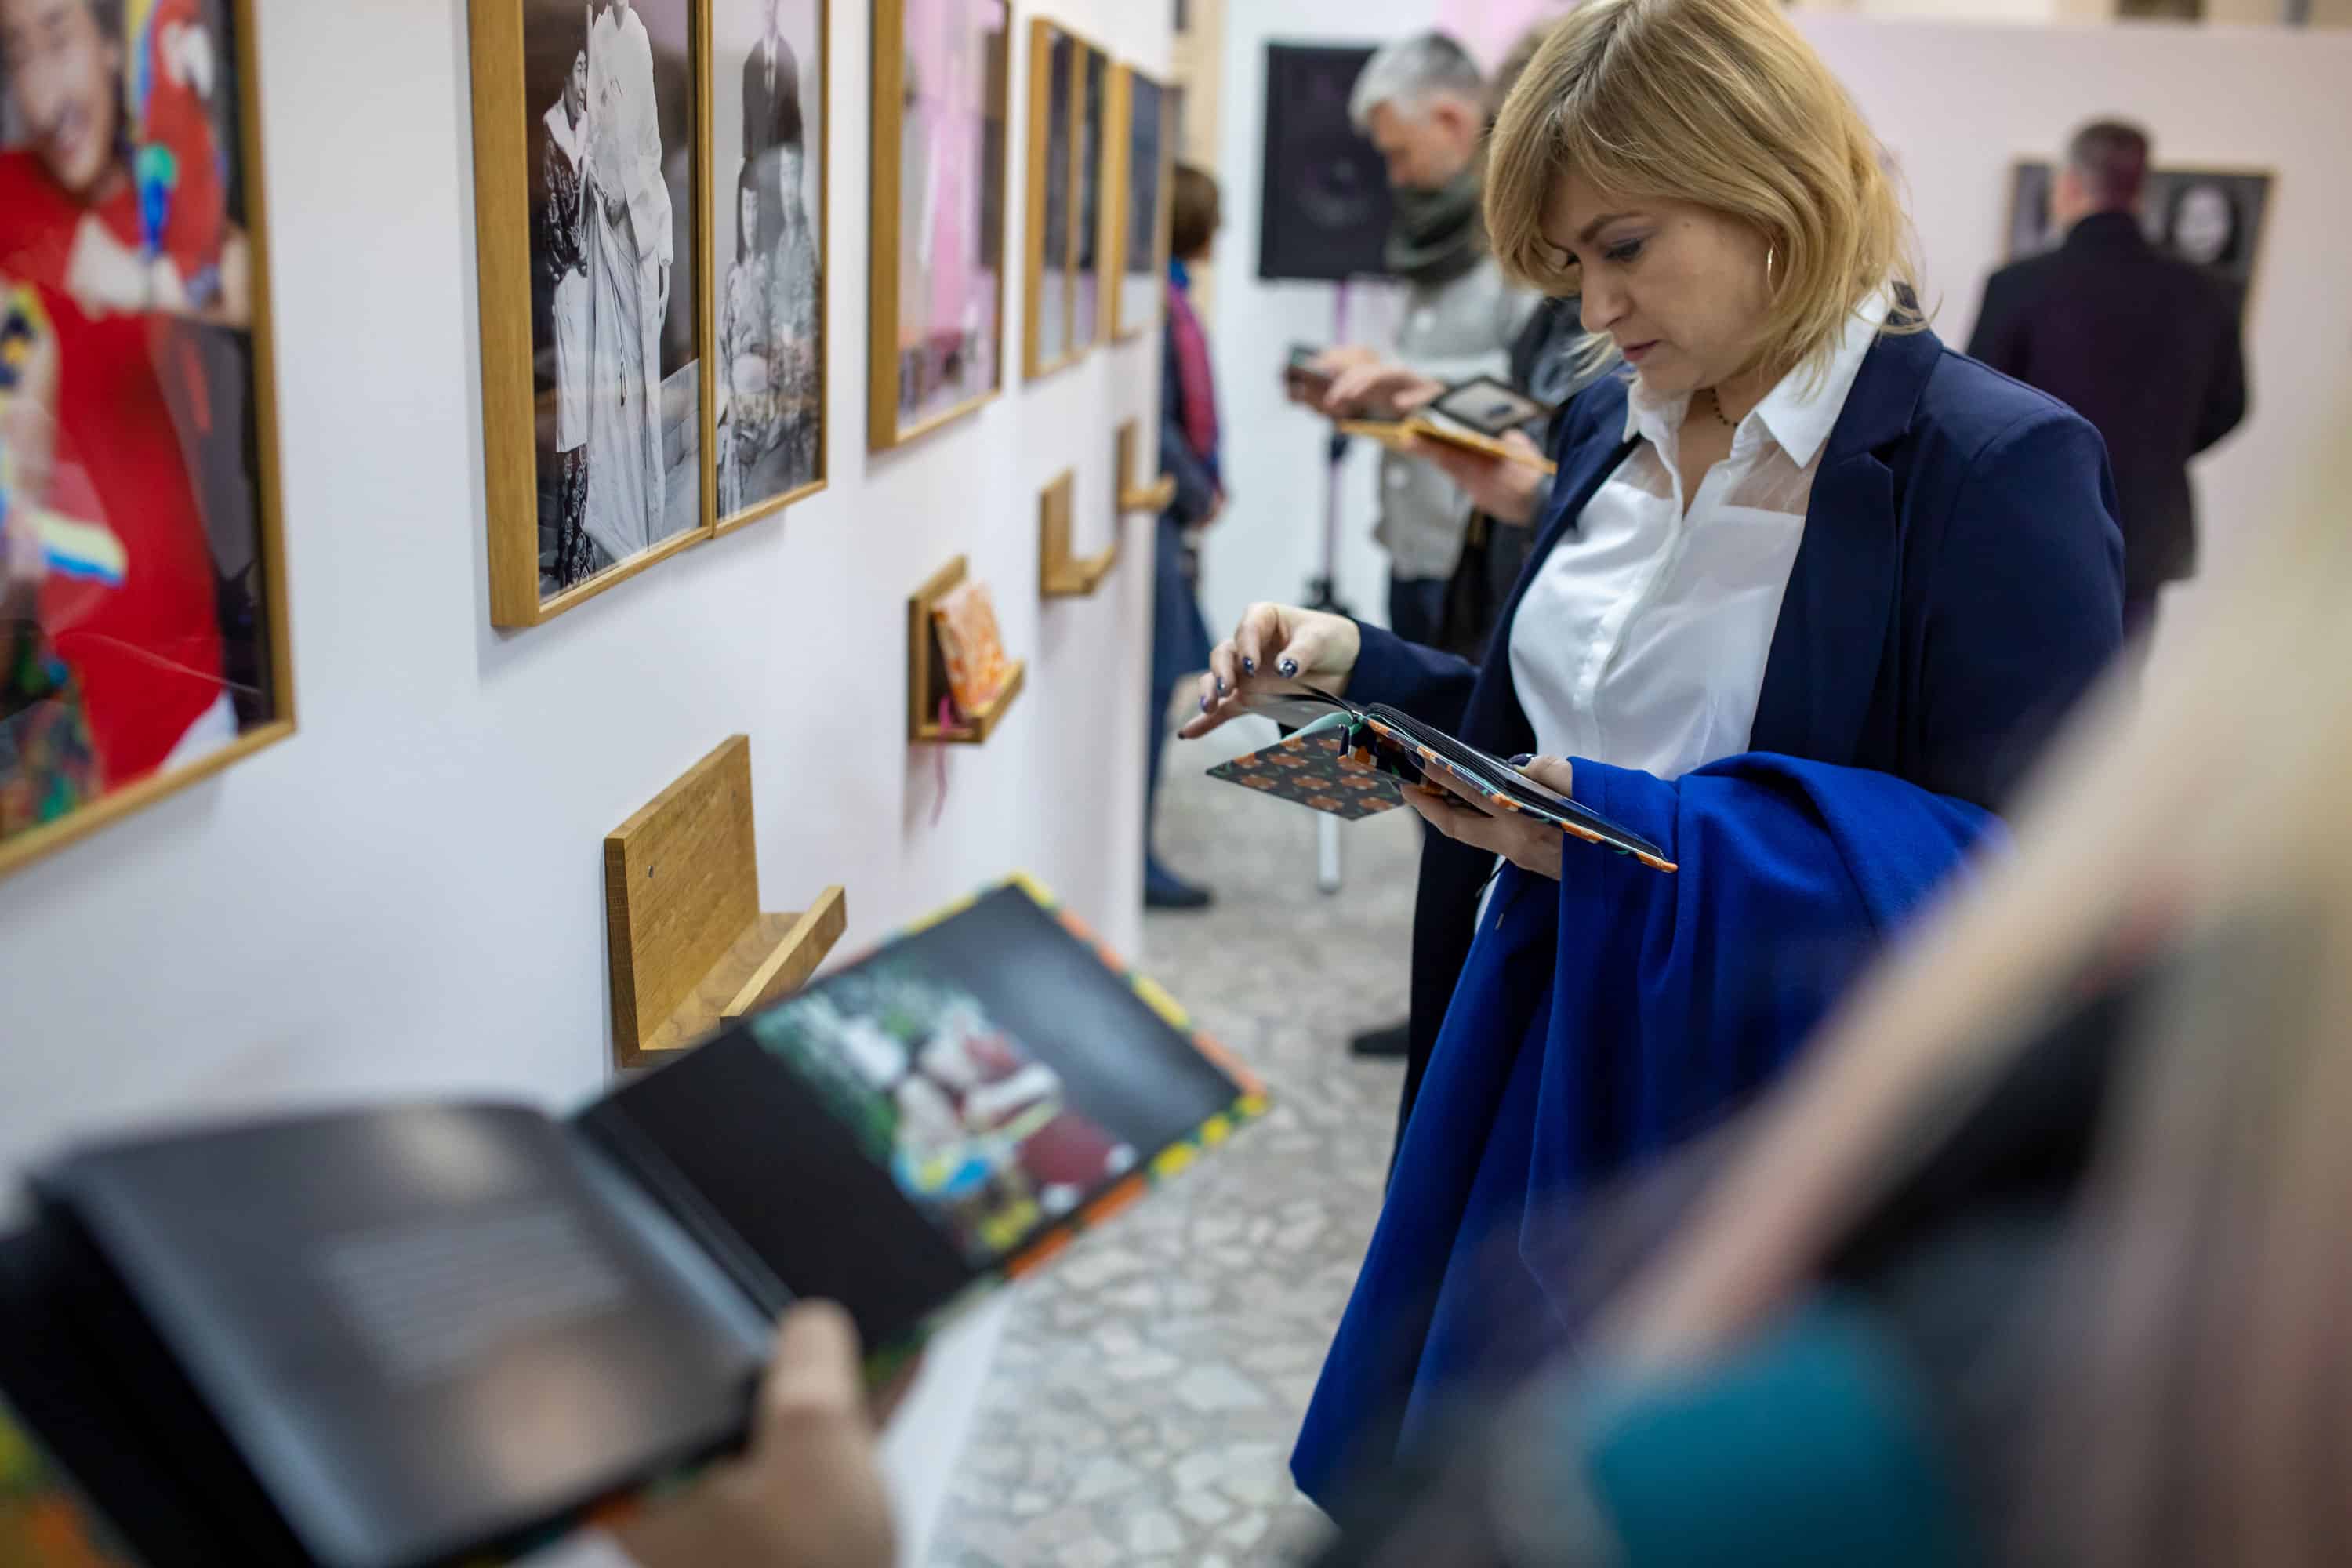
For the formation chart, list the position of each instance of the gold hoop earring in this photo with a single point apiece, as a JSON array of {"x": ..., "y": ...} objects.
[{"x": 1770, "y": 253}]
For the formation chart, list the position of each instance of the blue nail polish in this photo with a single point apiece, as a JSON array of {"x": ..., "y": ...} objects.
[
  {"x": 1220, "y": 686},
  {"x": 1249, "y": 667},
  {"x": 1204, "y": 704},
  {"x": 1289, "y": 667},
  {"x": 1523, "y": 759}
]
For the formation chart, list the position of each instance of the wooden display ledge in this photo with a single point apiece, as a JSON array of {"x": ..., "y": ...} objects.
[
  {"x": 926, "y": 676},
  {"x": 1060, "y": 574},
  {"x": 1154, "y": 498},
  {"x": 691, "y": 947}
]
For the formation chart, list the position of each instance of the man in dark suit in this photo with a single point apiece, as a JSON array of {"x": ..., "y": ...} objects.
[
  {"x": 772, "y": 119},
  {"x": 2143, "y": 345}
]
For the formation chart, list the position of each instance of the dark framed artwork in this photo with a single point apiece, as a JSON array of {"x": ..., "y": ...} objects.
[
  {"x": 771, "y": 132},
  {"x": 142, "y": 580},
  {"x": 1048, "y": 253},
  {"x": 935, "y": 269},
  {"x": 1089, "y": 304},
  {"x": 2213, "y": 218},
  {"x": 591, "y": 183},
  {"x": 1142, "y": 106}
]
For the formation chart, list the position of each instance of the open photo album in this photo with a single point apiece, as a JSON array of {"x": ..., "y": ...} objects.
[
  {"x": 421, "y": 1334},
  {"x": 1350, "y": 762}
]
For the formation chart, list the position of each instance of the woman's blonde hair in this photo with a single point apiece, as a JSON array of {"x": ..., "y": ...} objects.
[{"x": 1722, "y": 104}]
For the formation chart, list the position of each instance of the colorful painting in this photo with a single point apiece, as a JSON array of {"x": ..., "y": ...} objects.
[
  {"x": 143, "y": 631},
  {"x": 939, "y": 210}
]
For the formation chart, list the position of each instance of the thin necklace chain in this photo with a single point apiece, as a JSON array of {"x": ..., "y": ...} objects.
[{"x": 1715, "y": 405}]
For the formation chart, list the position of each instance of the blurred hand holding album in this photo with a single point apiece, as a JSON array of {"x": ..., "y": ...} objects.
[
  {"x": 1351, "y": 762},
  {"x": 415, "y": 1334}
]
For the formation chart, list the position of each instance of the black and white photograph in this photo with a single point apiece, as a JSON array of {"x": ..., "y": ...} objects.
[
  {"x": 613, "y": 366},
  {"x": 1142, "y": 265},
  {"x": 1094, "y": 90},
  {"x": 767, "y": 245},
  {"x": 2212, "y": 218}
]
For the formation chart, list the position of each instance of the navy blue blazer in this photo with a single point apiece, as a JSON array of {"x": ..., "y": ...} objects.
[{"x": 1958, "y": 585}]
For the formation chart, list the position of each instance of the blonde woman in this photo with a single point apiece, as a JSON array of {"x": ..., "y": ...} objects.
[{"x": 1811, "y": 589}]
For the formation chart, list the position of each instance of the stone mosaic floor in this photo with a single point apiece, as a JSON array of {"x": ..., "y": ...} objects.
[{"x": 1141, "y": 1407}]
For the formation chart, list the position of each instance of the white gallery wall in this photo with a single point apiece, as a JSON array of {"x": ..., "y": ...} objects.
[
  {"x": 407, "y": 897},
  {"x": 1955, "y": 102}
]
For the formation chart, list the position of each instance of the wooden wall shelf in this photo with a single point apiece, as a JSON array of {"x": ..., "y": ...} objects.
[
  {"x": 1154, "y": 498},
  {"x": 1060, "y": 574},
  {"x": 926, "y": 676},
  {"x": 691, "y": 948}
]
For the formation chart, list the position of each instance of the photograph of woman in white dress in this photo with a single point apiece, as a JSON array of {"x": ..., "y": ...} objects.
[
  {"x": 619, "y": 443},
  {"x": 777, "y": 169}
]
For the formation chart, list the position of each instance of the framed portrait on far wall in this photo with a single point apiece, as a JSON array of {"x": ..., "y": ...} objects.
[
  {"x": 1089, "y": 306},
  {"x": 937, "y": 258},
  {"x": 770, "y": 122},
  {"x": 589, "y": 129},
  {"x": 2212, "y": 218},
  {"x": 1046, "y": 251},
  {"x": 1140, "y": 112},
  {"x": 142, "y": 578}
]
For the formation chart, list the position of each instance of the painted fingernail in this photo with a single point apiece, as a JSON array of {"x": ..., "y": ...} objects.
[
  {"x": 1204, "y": 703},
  {"x": 1249, "y": 667},
  {"x": 1220, "y": 686},
  {"x": 1289, "y": 667},
  {"x": 1523, "y": 759}
]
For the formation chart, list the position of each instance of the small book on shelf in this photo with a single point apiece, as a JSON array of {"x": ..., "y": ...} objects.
[
  {"x": 971, "y": 647},
  {"x": 414, "y": 1334}
]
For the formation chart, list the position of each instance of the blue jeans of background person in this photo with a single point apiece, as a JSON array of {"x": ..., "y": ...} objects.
[{"x": 1417, "y": 608}]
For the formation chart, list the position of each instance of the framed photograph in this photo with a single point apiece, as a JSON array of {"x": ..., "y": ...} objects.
[
  {"x": 1048, "y": 256},
  {"x": 771, "y": 117},
  {"x": 591, "y": 160},
  {"x": 937, "y": 270},
  {"x": 1089, "y": 306},
  {"x": 1146, "y": 176},
  {"x": 2213, "y": 218},
  {"x": 142, "y": 612}
]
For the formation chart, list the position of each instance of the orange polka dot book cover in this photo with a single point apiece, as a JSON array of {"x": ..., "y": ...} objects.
[{"x": 419, "y": 1333}]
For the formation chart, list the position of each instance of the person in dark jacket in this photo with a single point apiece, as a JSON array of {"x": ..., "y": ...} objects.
[
  {"x": 2142, "y": 344},
  {"x": 1188, "y": 454}
]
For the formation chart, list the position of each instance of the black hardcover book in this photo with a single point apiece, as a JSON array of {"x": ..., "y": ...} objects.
[{"x": 414, "y": 1334}]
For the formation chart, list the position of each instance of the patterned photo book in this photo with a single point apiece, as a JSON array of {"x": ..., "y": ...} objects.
[{"x": 308, "y": 1339}]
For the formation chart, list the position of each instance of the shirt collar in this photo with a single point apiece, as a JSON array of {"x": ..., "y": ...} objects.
[{"x": 1799, "y": 411}]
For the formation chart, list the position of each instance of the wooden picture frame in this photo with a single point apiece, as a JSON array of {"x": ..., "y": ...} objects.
[
  {"x": 507, "y": 190},
  {"x": 893, "y": 418},
  {"x": 270, "y": 633},
  {"x": 1049, "y": 281},
  {"x": 815, "y": 58},
  {"x": 1128, "y": 96}
]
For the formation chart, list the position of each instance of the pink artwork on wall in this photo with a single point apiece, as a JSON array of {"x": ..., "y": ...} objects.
[{"x": 951, "y": 202}]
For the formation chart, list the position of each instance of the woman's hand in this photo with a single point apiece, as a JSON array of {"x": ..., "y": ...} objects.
[
  {"x": 808, "y": 1493},
  {"x": 1392, "y": 391},
  {"x": 1275, "y": 644},
  {"x": 1504, "y": 490},
  {"x": 1452, "y": 809}
]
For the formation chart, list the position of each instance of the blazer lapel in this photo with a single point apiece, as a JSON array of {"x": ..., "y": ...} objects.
[{"x": 1826, "y": 648}]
